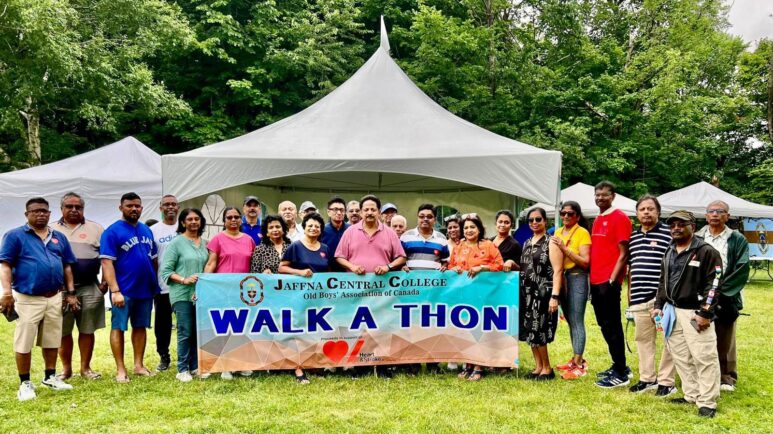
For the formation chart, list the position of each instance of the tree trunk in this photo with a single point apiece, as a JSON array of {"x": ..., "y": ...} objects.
[{"x": 32, "y": 117}]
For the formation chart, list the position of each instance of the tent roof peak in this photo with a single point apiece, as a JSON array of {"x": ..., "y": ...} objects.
[{"x": 384, "y": 37}]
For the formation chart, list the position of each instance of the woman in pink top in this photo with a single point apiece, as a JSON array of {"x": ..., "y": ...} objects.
[{"x": 230, "y": 251}]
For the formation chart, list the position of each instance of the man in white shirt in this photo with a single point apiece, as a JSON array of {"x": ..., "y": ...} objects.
[{"x": 163, "y": 234}]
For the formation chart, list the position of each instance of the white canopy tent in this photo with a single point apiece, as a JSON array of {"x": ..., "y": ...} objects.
[
  {"x": 377, "y": 130},
  {"x": 100, "y": 176},
  {"x": 696, "y": 197},
  {"x": 584, "y": 195}
]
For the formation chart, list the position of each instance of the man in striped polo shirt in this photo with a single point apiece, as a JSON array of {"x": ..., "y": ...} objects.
[
  {"x": 425, "y": 249},
  {"x": 646, "y": 250}
]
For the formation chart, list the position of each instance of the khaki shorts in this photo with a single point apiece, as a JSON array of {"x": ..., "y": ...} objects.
[
  {"x": 91, "y": 316},
  {"x": 39, "y": 317}
]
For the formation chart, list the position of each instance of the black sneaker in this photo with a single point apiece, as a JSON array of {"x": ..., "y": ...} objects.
[
  {"x": 707, "y": 412},
  {"x": 679, "y": 401},
  {"x": 664, "y": 391},
  {"x": 163, "y": 365},
  {"x": 613, "y": 380},
  {"x": 643, "y": 386},
  {"x": 608, "y": 372}
]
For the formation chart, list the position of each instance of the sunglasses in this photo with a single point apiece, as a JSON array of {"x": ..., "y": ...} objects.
[
  {"x": 233, "y": 217},
  {"x": 471, "y": 215},
  {"x": 536, "y": 220},
  {"x": 568, "y": 213}
]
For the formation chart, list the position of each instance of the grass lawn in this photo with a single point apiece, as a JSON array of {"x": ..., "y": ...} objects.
[{"x": 499, "y": 403}]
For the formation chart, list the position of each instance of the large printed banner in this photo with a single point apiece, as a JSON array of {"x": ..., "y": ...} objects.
[
  {"x": 260, "y": 321},
  {"x": 759, "y": 233}
]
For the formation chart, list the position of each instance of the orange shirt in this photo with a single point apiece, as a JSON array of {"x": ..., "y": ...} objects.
[{"x": 485, "y": 253}]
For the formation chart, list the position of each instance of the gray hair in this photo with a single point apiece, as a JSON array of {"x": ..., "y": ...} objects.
[
  {"x": 719, "y": 202},
  {"x": 71, "y": 195}
]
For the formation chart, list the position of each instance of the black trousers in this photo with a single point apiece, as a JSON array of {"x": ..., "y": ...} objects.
[
  {"x": 162, "y": 326},
  {"x": 605, "y": 298}
]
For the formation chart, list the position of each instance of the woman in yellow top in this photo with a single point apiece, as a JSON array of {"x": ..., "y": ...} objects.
[{"x": 574, "y": 241}]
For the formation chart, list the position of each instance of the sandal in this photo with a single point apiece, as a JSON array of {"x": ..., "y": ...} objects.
[
  {"x": 91, "y": 375},
  {"x": 145, "y": 373},
  {"x": 122, "y": 380},
  {"x": 466, "y": 372},
  {"x": 476, "y": 375},
  {"x": 302, "y": 379}
]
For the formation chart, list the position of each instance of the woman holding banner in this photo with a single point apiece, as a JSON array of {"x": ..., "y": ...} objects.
[
  {"x": 306, "y": 257},
  {"x": 184, "y": 259},
  {"x": 474, "y": 254},
  {"x": 230, "y": 251},
  {"x": 573, "y": 239},
  {"x": 273, "y": 245},
  {"x": 541, "y": 268}
]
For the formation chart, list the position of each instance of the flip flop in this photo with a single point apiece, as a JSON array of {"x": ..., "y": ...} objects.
[
  {"x": 145, "y": 373},
  {"x": 122, "y": 380},
  {"x": 91, "y": 375}
]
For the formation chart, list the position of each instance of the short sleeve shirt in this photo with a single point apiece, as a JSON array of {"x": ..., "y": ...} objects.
[
  {"x": 359, "y": 248},
  {"x": 84, "y": 240},
  {"x": 577, "y": 236},
  {"x": 424, "y": 253},
  {"x": 302, "y": 258},
  {"x": 163, "y": 234},
  {"x": 132, "y": 250},
  {"x": 233, "y": 254},
  {"x": 646, "y": 253},
  {"x": 609, "y": 230},
  {"x": 252, "y": 231},
  {"x": 38, "y": 265}
]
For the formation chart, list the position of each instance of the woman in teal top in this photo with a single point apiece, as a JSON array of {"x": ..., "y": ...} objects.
[{"x": 184, "y": 259}]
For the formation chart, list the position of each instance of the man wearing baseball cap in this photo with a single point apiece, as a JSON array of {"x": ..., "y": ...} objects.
[
  {"x": 690, "y": 274},
  {"x": 251, "y": 218},
  {"x": 387, "y": 212}
]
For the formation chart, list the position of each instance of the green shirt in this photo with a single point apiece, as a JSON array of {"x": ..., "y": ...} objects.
[{"x": 184, "y": 258}]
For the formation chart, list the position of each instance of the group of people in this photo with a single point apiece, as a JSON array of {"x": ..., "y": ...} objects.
[{"x": 685, "y": 282}]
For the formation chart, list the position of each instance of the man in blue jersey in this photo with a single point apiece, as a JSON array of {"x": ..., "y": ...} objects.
[
  {"x": 648, "y": 245},
  {"x": 334, "y": 230},
  {"x": 129, "y": 265}
]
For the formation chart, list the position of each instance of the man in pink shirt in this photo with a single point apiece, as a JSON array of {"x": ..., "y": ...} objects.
[{"x": 369, "y": 246}]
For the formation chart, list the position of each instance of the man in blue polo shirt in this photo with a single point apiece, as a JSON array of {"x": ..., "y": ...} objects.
[
  {"x": 129, "y": 264},
  {"x": 251, "y": 218},
  {"x": 334, "y": 230},
  {"x": 35, "y": 267}
]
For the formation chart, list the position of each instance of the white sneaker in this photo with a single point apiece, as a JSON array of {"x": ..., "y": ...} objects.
[
  {"x": 56, "y": 384},
  {"x": 727, "y": 387},
  {"x": 26, "y": 391},
  {"x": 184, "y": 376},
  {"x": 245, "y": 373},
  {"x": 452, "y": 366},
  {"x": 225, "y": 375}
]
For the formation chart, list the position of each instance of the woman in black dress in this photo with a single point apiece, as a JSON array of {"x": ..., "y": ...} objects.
[
  {"x": 273, "y": 245},
  {"x": 507, "y": 245},
  {"x": 541, "y": 266}
]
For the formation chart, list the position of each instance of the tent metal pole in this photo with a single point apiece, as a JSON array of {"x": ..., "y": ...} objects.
[{"x": 558, "y": 199}]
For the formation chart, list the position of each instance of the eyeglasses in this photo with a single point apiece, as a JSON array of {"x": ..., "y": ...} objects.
[
  {"x": 426, "y": 217},
  {"x": 451, "y": 217},
  {"x": 39, "y": 211},
  {"x": 341, "y": 210},
  {"x": 78, "y": 207},
  {"x": 678, "y": 224},
  {"x": 568, "y": 213},
  {"x": 718, "y": 211},
  {"x": 232, "y": 217},
  {"x": 536, "y": 220},
  {"x": 471, "y": 215}
]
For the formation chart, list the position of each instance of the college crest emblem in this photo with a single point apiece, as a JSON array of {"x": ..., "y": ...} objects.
[
  {"x": 763, "y": 239},
  {"x": 249, "y": 288}
]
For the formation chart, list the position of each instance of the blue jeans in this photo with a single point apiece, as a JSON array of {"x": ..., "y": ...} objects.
[
  {"x": 573, "y": 304},
  {"x": 187, "y": 351}
]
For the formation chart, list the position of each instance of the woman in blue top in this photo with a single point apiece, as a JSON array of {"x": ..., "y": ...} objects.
[{"x": 306, "y": 257}]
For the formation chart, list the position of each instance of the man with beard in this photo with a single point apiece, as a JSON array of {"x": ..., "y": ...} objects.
[
  {"x": 608, "y": 256},
  {"x": 287, "y": 211},
  {"x": 83, "y": 236},
  {"x": 689, "y": 288},
  {"x": 334, "y": 229},
  {"x": 163, "y": 233},
  {"x": 734, "y": 250},
  {"x": 251, "y": 218},
  {"x": 35, "y": 267},
  {"x": 130, "y": 266},
  {"x": 353, "y": 212}
]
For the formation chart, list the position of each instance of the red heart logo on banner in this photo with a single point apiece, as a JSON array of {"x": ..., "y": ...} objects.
[{"x": 335, "y": 350}]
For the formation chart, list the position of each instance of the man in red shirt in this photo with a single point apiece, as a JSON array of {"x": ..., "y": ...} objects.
[{"x": 608, "y": 255}]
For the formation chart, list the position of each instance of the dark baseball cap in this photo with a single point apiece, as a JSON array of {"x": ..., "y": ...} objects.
[
  {"x": 249, "y": 199},
  {"x": 683, "y": 215}
]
